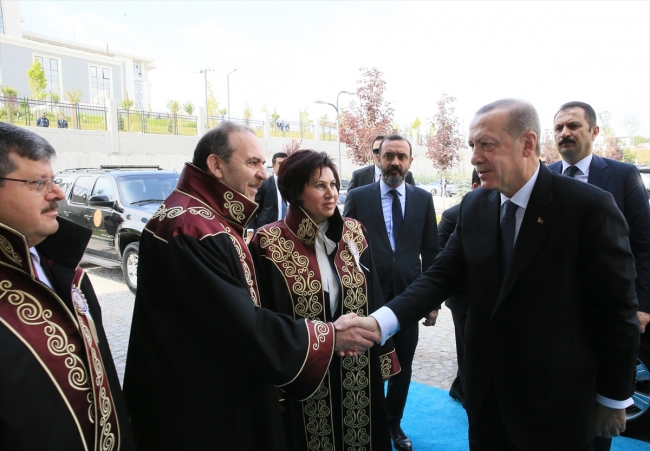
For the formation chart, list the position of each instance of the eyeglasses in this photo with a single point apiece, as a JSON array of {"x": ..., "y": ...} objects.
[
  {"x": 376, "y": 151},
  {"x": 43, "y": 186}
]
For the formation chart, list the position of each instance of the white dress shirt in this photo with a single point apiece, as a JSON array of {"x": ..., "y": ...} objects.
[
  {"x": 387, "y": 207},
  {"x": 377, "y": 173},
  {"x": 39, "y": 269},
  {"x": 583, "y": 168}
]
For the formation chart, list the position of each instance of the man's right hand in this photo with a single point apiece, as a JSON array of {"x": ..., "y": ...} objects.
[{"x": 355, "y": 335}]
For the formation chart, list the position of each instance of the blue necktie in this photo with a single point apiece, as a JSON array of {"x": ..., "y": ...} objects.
[
  {"x": 571, "y": 171},
  {"x": 398, "y": 218},
  {"x": 508, "y": 224},
  {"x": 284, "y": 209}
]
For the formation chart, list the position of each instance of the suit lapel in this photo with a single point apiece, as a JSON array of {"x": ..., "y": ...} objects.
[
  {"x": 409, "y": 211},
  {"x": 377, "y": 211},
  {"x": 370, "y": 175},
  {"x": 598, "y": 172},
  {"x": 538, "y": 219}
]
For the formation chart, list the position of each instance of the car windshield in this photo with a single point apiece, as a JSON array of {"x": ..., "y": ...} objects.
[{"x": 144, "y": 188}]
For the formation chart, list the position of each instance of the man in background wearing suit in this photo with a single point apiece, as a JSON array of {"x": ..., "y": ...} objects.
[
  {"x": 575, "y": 130},
  {"x": 552, "y": 333},
  {"x": 401, "y": 224},
  {"x": 371, "y": 174},
  {"x": 458, "y": 302},
  {"x": 271, "y": 206}
]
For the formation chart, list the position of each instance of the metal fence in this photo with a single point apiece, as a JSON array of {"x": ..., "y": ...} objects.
[
  {"x": 256, "y": 126},
  {"x": 328, "y": 131},
  {"x": 288, "y": 129},
  {"x": 25, "y": 111},
  {"x": 138, "y": 121}
]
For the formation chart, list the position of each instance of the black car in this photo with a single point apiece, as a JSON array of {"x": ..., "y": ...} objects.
[{"x": 115, "y": 202}]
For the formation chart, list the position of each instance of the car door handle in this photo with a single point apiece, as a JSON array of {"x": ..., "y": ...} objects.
[
  {"x": 89, "y": 217},
  {"x": 66, "y": 212}
]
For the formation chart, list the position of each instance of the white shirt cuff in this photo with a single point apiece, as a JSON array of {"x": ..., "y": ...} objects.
[
  {"x": 612, "y": 404},
  {"x": 387, "y": 321}
]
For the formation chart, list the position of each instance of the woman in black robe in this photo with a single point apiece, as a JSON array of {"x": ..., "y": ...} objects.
[{"x": 315, "y": 264}]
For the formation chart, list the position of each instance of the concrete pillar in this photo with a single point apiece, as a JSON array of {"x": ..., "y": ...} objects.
[
  {"x": 112, "y": 125},
  {"x": 200, "y": 122}
]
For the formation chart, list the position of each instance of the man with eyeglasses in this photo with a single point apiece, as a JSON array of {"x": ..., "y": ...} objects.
[
  {"x": 371, "y": 174},
  {"x": 58, "y": 384}
]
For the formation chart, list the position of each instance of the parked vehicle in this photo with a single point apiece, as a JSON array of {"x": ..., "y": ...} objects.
[
  {"x": 115, "y": 202},
  {"x": 434, "y": 188}
]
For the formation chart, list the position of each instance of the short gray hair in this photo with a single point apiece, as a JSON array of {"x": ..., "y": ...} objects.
[
  {"x": 522, "y": 118},
  {"x": 23, "y": 143},
  {"x": 216, "y": 142}
]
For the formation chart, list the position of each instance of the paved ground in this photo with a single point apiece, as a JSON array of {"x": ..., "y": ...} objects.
[{"x": 434, "y": 363}]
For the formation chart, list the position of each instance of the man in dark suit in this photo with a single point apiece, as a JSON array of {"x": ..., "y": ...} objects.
[
  {"x": 575, "y": 130},
  {"x": 271, "y": 205},
  {"x": 458, "y": 302},
  {"x": 371, "y": 174},
  {"x": 552, "y": 334},
  {"x": 401, "y": 224}
]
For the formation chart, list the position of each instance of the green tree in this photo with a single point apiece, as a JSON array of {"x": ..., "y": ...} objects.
[
  {"x": 274, "y": 120},
  {"x": 304, "y": 121},
  {"x": 415, "y": 127},
  {"x": 10, "y": 101},
  {"x": 74, "y": 97},
  {"x": 248, "y": 113},
  {"x": 604, "y": 120},
  {"x": 55, "y": 98},
  {"x": 37, "y": 81},
  {"x": 174, "y": 107},
  {"x": 188, "y": 107},
  {"x": 127, "y": 104}
]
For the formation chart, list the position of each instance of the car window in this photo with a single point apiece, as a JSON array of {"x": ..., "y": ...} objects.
[
  {"x": 145, "y": 187},
  {"x": 103, "y": 187},
  {"x": 66, "y": 182},
  {"x": 81, "y": 189}
]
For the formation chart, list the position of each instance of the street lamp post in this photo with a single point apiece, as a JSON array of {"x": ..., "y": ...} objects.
[
  {"x": 205, "y": 84},
  {"x": 338, "y": 123},
  {"x": 228, "y": 87}
]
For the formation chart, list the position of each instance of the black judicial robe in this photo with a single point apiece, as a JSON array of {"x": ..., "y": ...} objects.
[
  {"x": 204, "y": 357},
  {"x": 37, "y": 393},
  {"x": 348, "y": 410}
]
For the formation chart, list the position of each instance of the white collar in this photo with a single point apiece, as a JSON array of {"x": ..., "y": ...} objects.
[
  {"x": 377, "y": 172},
  {"x": 583, "y": 164},
  {"x": 522, "y": 196}
]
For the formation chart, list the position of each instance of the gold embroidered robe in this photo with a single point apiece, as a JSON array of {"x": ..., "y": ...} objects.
[
  {"x": 204, "y": 358},
  {"x": 51, "y": 395},
  {"x": 348, "y": 411}
]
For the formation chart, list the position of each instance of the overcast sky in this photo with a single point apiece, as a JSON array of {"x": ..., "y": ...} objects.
[{"x": 289, "y": 54}]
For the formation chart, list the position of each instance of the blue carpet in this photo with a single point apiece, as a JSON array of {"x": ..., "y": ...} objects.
[{"x": 435, "y": 422}]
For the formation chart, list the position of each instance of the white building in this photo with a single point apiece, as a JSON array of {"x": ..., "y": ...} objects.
[{"x": 99, "y": 73}]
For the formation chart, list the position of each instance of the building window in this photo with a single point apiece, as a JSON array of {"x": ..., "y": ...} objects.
[
  {"x": 137, "y": 69},
  {"x": 100, "y": 83},
  {"x": 2, "y": 21},
  {"x": 139, "y": 97},
  {"x": 51, "y": 68}
]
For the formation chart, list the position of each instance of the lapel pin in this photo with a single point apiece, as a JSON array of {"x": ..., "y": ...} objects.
[{"x": 540, "y": 221}]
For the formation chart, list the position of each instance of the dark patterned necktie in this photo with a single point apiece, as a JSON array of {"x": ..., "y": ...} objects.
[
  {"x": 571, "y": 171},
  {"x": 508, "y": 225},
  {"x": 398, "y": 218}
]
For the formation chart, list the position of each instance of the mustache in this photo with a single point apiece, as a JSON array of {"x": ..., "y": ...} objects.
[
  {"x": 52, "y": 206},
  {"x": 393, "y": 168},
  {"x": 567, "y": 140}
]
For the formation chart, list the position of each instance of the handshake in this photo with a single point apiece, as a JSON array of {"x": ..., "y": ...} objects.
[{"x": 355, "y": 334}]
